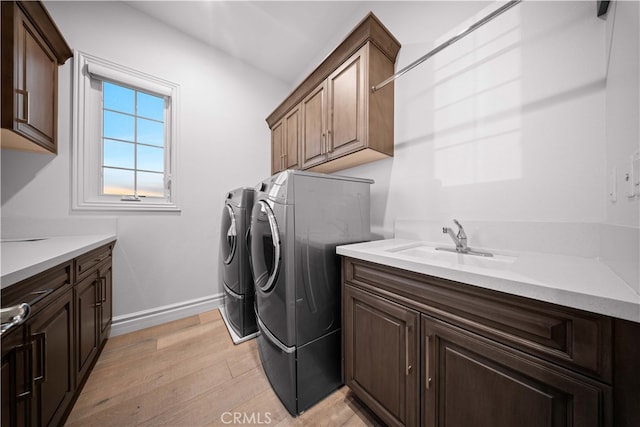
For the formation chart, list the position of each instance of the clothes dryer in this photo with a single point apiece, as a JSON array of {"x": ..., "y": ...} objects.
[
  {"x": 297, "y": 221},
  {"x": 238, "y": 312}
]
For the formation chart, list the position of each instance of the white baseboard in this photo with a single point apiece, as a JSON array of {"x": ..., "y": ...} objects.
[{"x": 156, "y": 316}]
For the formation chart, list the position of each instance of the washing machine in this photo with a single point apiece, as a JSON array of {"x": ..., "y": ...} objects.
[
  {"x": 237, "y": 312},
  {"x": 297, "y": 221}
]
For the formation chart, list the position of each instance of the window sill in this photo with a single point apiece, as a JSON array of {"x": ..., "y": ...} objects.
[{"x": 126, "y": 207}]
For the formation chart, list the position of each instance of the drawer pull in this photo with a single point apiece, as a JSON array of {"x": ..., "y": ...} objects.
[
  {"x": 40, "y": 295},
  {"x": 100, "y": 259}
]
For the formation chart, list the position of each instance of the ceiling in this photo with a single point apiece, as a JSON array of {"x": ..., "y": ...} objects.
[{"x": 282, "y": 38}]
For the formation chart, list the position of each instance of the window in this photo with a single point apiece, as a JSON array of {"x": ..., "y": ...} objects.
[{"x": 124, "y": 138}]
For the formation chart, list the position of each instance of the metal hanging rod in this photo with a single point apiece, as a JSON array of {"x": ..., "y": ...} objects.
[{"x": 449, "y": 42}]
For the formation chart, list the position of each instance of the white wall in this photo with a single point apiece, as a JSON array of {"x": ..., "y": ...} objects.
[
  {"x": 623, "y": 108},
  {"x": 620, "y": 238},
  {"x": 520, "y": 122},
  {"x": 507, "y": 124},
  {"x": 160, "y": 259}
]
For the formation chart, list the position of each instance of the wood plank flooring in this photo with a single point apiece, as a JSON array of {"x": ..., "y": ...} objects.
[{"x": 189, "y": 373}]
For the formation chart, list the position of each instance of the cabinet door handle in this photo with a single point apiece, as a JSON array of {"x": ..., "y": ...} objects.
[
  {"x": 98, "y": 301},
  {"x": 40, "y": 371},
  {"x": 25, "y": 352},
  {"x": 25, "y": 106},
  {"x": 406, "y": 348},
  {"x": 427, "y": 359},
  {"x": 104, "y": 289}
]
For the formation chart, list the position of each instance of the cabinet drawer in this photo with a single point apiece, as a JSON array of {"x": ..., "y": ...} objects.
[
  {"x": 40, "y": 289},
  {"x": 86, "y": 264},
  {"x": 572, "y": 338}
]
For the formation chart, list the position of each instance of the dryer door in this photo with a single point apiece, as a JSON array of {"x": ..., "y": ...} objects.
[
  {"x": 264, "y": 246},
  {"x": 228, "y": 235}
]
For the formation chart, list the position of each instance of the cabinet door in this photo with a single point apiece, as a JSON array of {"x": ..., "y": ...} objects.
[
  {"x": 87, "y": 295},
  {"x": 16, "y": 379},
  {"x": 35, "y": 79},
  {"x": 105, "y": 305},
  {"x": 277, "y": 142},
  {"x": 470, "y": 381},
  {"x": 314, "y": 127},
  {"x": 381, "y": 343},
  {"x": 51, "y": 335},
  {"x": 291, "y": 140},
  {"x": 347, "y": 94}
]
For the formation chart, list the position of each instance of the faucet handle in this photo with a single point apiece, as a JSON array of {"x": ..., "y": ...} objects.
[
  {"x": 461, "y": 233},
  {"x": 445, "y": 230}
]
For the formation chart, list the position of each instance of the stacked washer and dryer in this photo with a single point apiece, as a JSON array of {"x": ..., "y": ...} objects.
[{"x": 281, "y": 275}]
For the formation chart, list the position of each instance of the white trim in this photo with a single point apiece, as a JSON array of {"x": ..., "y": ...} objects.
[
  {"x": 157, "y": 316},
  {"x": 129, "y": 78},
  {"x": 84, "y": 179}
]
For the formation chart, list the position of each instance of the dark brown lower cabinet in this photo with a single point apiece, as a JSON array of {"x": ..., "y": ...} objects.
[
  {"x": 86, "y": 296},
  {"x": 47, "y": 359},
  {"x": 471, "y": 381},
  {"x": 420, "y": 350},
  {"x": 53, "y": 381},
  {"x": 16, "y": 382},
  {"x": 381, "y": 344},
  {"x": 93, "y": 314}
]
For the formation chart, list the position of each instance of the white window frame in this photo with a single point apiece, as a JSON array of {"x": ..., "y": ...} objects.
[{"x": 86, "y": 182}]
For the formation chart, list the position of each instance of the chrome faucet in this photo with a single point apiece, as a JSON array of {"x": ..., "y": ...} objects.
[{"x": 459, "y": 239}]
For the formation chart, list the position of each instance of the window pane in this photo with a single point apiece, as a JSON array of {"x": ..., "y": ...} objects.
[
  {"x": 118, "y": 98},
  {"x": 150, "y": 132},
  {"x": 150, "y": 106},
  {"x": 117, "y": 182},
  {"x": 150, "y": 184},
  {"x": 150, "y": 158},
  {"x": 118, "y": 126},
  {"x": 118, "y": 154}
]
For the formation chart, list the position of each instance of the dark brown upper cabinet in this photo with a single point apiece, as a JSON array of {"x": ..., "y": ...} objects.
[
  {"x": 340, "y": 121},
  {"x": 32, "y": 48}
]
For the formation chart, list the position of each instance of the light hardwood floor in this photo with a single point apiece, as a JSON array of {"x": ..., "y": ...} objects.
[{"x": 189, "y": 373}]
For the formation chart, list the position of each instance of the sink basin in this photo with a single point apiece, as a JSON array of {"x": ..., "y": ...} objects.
[{"x": 431, "y": 254}]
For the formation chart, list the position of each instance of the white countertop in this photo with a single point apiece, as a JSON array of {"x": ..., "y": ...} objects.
[
  {"x": 572, "y": 281},
  {"x": 22, "y": 259}
]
